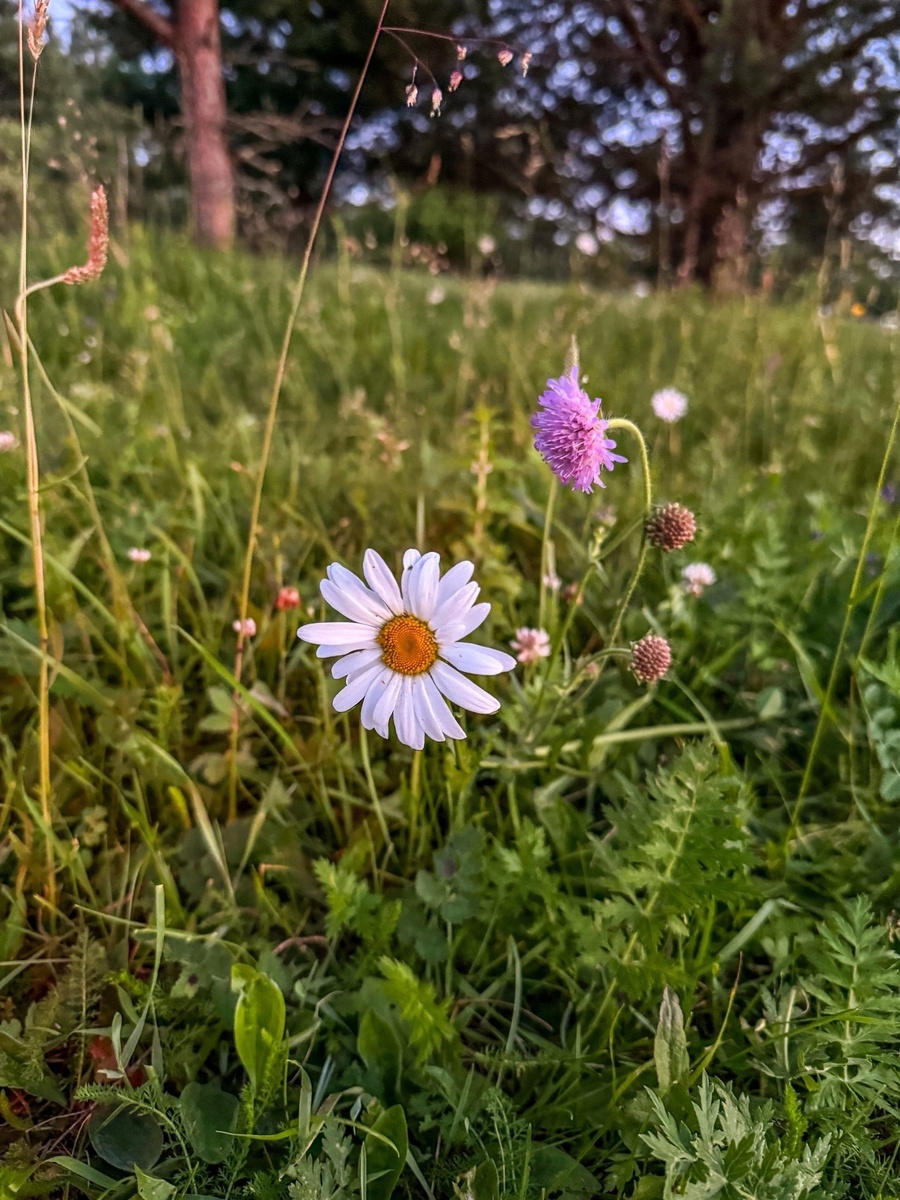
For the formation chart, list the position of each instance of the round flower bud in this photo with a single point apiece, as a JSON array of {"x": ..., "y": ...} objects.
[
  {"x": 651, "y": 657},
  {"x": 671, "y": 528}
]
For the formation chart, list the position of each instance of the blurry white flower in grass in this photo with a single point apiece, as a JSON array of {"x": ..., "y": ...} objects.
[
  {"x": 698, "y": 576},
  {"x": 669, "y": 404},
  {"x": 531, "y": 645},
  {"x": 138, "y": 554},
  {"x": 401, "y": 650},
  {"x": 8, "y": 441}
]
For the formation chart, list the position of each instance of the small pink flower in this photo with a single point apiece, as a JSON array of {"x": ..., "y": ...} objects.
[
  {"x": 531, "y": 645},
  {"x": 437, "y": 97},
  {"x": 412, "y": 95},
  {"x": 525, "y": 61},
  {"x": 697, "y": 578},
  {"x": 455, "y": 80},
  {"x": 505, "y": 57},
  {"x": 551, "y": 580},
  {"x": 138, "y": 554},
  {"x": 8, "y": 441},
  {"x": 247, "y": 627},
  {"x": 288, "y": 597}
]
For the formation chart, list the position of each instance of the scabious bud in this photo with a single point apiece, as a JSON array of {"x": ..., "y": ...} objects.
[
  {"x": 98, "y": 247},
  {"x": 505, "y": 57},
  {"x": 455, "y": 80},
  {"x": 651, "y": 657},
  {"x": 671, "y": 527}
]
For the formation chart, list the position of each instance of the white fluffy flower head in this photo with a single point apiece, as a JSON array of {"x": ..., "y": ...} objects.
[
  {"x": 698, "y": 576},
  {"x": 669, "y": 404},
  {"x": 401, "y": 650}
]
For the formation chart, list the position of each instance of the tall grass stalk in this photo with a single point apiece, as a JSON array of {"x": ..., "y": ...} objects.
[
  {"x": 33, "y": 466},
  {"x": 852, "y": 601},
  {"x": 275, "y": 397}
]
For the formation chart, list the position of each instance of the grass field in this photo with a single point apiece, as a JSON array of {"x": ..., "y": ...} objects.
[{"x": 623, "y": 940}]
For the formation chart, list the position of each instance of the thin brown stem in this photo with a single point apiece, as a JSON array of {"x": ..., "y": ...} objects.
[
  {"x": 34, "y": 478},
  {"x": 269, "y": 433}
]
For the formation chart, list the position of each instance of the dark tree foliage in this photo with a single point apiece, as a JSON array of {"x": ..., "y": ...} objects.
[
  {"x": 698, "y": 127},
  {"x": 703, "y": 112}
]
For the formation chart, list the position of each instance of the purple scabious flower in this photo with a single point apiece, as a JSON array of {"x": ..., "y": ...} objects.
[{"x": 570, "y": 434}]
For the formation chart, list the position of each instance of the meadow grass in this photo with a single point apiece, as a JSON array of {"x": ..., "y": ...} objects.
[{"x": 622, "y": 941}]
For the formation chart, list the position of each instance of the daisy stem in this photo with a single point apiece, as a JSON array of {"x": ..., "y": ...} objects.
[
  {"x": 370, "y": 783},
  {"x": 415, "y": 793},
  {"x": 630, "y": 427},
  {"x": 545, "y": 549},
  {"x": 278, "y": 383}
]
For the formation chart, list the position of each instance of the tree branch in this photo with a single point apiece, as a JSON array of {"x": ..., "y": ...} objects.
[{"x": 161, "y": 28}]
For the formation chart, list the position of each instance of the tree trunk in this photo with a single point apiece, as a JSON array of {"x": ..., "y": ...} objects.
[
  {"x": 193, "y": 35},
  {"x": 198, "y": 48}
]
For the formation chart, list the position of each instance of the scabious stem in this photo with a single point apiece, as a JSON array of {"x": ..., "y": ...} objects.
[{"x": 630, "y": 427}]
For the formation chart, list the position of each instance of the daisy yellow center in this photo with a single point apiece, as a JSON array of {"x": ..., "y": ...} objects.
[{"x": 407, "y": 645}]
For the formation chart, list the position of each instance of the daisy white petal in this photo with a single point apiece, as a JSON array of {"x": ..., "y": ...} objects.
[
  {"x": 358, "y": 660},
  {"x": 334, "y": 633},
  {"x": 332, "y": 651},
  {"x": 373, "y": 695},
  {"x": 478, "y": 660},
  {"x": 475, "y": 617},
  {"x": 356, "y": 689},
  {"x": 410, "y": 558},
  {"x": 455, "y": 578},
  {"x": 428, "y": 718},
  {"x": 406, "y": 721},
  {"x": 438, "y": 706},
  {"x": 381, "y": 581},
  {"x": 423, "y": 585},
  {"x": 461, "y": 690},
  {"x": 387, "y": 701},
  {"x": 353, "y": 599},
  {"x": 455, "y": 606}
]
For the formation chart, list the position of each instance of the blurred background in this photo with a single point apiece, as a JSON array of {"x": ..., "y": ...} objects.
[{"x": 737, "y": 144}]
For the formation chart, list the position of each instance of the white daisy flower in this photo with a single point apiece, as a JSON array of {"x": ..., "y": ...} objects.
[{"x": 400, "y": 651}]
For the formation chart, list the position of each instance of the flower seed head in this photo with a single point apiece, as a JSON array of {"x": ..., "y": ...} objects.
[
  {"x": 671, "y": 527},
  {"x": 37, "y": 28},
  {"x": 651, "y": 657},
  {"x": 98, "y": 247}
]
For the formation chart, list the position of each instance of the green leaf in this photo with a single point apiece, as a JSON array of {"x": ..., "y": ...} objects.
[
  {"x": 379, "y": 1048},
  {"x": 486, "y": 1182},
  {"x": 124, "y": 1138},
  {"x": 670, "y": 1044},
  {"x": 555, "y": 1171},
  {"x": 153, "y": 1189},
  {"x": 384, "y": 1161},
  {"x": 209, "y": 1115},
  {"x": 258, "y": 1025},
  {"x": 82, "y": 1171}
]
